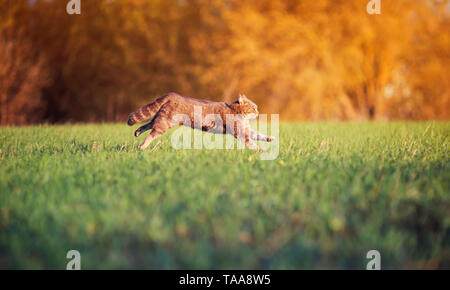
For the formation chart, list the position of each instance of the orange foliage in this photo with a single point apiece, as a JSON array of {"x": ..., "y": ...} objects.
[{"x": 307, "y": 60}]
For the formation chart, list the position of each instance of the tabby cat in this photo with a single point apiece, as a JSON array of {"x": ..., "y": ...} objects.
[{"x": 230, "y": 119}]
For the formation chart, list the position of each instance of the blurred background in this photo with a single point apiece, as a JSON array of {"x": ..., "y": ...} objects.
[{"x": 306, "y": 60}]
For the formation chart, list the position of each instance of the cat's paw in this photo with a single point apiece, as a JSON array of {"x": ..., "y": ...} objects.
[
  {"x": 252, "y": 146},
  {"x": 142, "y": 146},
  {"x": 270, "y": 138}
]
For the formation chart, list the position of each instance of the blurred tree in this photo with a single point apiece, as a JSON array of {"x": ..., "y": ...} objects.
[
  {"x": 22, "y": 72},
  {"x": 308, "y": 60}
]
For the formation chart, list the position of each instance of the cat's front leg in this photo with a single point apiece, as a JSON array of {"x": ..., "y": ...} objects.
[
  {"x": 255, "y": 135},
  {"x": 248, "y": 142},
  {"x": 253, "y": 146},
  {"x": 270, "y": 138}
]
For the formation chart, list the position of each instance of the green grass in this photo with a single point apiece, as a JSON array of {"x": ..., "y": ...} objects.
[{"x": 336, "y": 191}]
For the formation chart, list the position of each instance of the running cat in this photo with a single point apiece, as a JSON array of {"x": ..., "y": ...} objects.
[{"x": 216, "y": 117}]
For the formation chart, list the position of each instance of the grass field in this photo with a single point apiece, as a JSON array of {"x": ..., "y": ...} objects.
[{"x": 336, "y": 191}]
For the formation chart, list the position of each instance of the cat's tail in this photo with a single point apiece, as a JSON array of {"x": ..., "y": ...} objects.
[{"x": 147, "y": 112}]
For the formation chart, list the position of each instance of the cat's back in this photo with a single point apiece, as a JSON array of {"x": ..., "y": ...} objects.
[{"x": 187, "y": 104}]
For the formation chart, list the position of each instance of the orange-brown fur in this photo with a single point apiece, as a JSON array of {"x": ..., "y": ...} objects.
[{"x": 161, "y": 114}]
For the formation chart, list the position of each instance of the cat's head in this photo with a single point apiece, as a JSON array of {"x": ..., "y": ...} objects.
[{"x": 245, "y": 107}]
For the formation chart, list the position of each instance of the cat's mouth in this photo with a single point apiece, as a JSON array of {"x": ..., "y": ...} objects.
[{"x": 251, "y": 116}]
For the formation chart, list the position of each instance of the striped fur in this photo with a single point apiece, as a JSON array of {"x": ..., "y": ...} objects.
[
  {"x": 148, "y": 111},
  {"x": 159, "y": 117}
]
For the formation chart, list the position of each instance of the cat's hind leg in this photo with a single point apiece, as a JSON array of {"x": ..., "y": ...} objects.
[
  {"x": 161, "y": 123},
  {"x": 152, "y": 136},
  {"x": 144, "y": 128}
]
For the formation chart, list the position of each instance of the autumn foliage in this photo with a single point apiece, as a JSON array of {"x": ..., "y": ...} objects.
[{"x": 306, "y": 60}]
